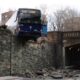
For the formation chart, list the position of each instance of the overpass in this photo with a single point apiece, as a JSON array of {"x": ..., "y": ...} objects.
[
  {"x": 67, "y": 48},
  {"x": 67, "y": 38}
]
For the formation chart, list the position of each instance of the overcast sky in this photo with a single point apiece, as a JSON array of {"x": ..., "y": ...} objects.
[{"x": 51, "y": 4}]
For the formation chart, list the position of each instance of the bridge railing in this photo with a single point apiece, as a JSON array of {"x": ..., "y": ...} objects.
[{"x": 71, "y": 34}]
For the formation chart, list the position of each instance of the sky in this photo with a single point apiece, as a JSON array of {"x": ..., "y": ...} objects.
[{"x": 52, "y": 5}]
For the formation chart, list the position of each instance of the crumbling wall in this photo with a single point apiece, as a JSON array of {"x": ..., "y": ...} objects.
[
  {"x": 16, "y": 58},
  {"x": 31, "y": 57}
]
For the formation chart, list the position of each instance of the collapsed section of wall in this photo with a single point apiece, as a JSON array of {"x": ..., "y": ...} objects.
[{"x": 16, "y": 58}]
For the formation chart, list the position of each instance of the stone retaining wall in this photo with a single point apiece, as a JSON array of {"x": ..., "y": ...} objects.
[{"x": 16, "y": 58}]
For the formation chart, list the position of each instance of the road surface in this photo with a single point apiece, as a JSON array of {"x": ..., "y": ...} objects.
[{"x": 21, "y": 78}]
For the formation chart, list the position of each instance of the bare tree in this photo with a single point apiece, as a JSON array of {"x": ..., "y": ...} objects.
[
  {"x": 52, "y": 26},
  {"x": 61, "y": 16},
  {"x": 43, "y": 9}
]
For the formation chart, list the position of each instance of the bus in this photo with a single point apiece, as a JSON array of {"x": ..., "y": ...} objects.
[{"x": 30, "y": 24}]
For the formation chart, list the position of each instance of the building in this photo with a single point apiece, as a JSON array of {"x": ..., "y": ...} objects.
[
  {"x": 72, "y": 24},
  {"x": 6, "y": 16}
]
